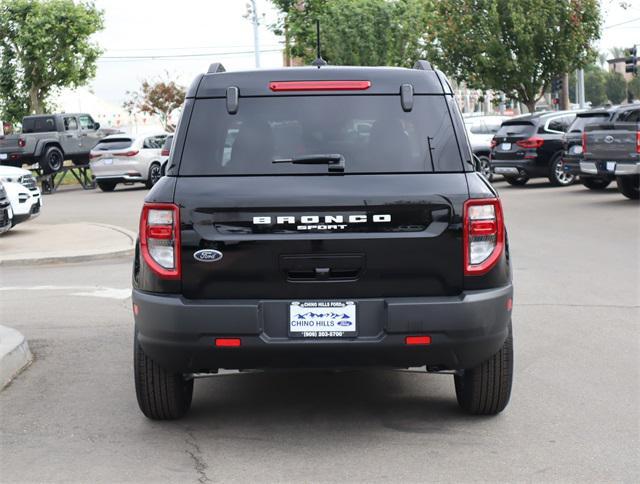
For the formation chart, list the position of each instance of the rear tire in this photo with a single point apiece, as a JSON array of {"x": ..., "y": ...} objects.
[
  {"x": 161, "y": 395},
  {"x": 485, "y": 389},
  {"x": 629, "y": 186},
  {"x": 155, "y": 173},
  {"x": 52, "y": 160},
  {"x": 595, "y": 183},
  {"x": 484, "y": 167},
  {"x": 106, "y": 186},
  {"x": 516, "y": 181},
  {"x": 557, "y": 176}
]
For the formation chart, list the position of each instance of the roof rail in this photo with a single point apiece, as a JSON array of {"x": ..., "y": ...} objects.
[
  {"x": 215, "y": 68},
  {"x": 423, "y": 65}
]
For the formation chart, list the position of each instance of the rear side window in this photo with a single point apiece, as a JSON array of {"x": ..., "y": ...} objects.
[
  {"x": 70, "y": 123},
  {"x": 154, "y": 142},
  {"x": 561, "y": 123},
  {"x": 42, "y": 124},
  {"x": 515, "y": 129},
  {"x": 372, "y": 133},
  {"x": 581, "y": 121},
  {"x": 631, "y": 116},
  {"x": 113, "y": 144}
]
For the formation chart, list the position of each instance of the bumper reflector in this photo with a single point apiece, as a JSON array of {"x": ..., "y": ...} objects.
[
  {"x": 228, "y": 342},
  {"x": 417, "y": 340}
]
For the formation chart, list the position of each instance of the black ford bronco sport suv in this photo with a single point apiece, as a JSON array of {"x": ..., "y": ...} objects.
[{"x": 321, "y": 218}]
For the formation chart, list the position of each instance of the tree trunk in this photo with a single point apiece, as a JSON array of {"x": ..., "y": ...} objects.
[
  {"x": 531, "y": 106},
  {"x": 564, "y": 95},
  {"x": 34, "y": 103}
]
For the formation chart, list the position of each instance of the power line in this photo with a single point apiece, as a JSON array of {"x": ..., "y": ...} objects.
[
  {"x": 151, "y": 49},
  {"x": 621, "y": 23},
  {"x": 180, "y": 56}
]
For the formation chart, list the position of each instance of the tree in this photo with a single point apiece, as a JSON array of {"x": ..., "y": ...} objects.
[
  {"x": 514, "y": 47},
  {"x": 616, "y": 87},
  {"x": 159, "y": 98},
  {"x": 634, "y": 87},
  {"x": 356, "y": 32},
  {"x": 595, "y": 79},
  {"x": 44, "y": 46}
]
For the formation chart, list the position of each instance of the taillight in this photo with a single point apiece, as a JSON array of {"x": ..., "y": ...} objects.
[
  {"x": 160, "y": 238},
  {"x": 21, "y": 142},
  {"x": 533, "y": 142},
  {"x": 493, "y": 143},
  {"x": 93, "y": 155},
  {"x": 637, "y": 141},
  {"x": 584, "y": 142},
  {"x": 127, "y": 153},
  {"x": 483, "y": 235},
  {"x": 164, "y": 152}
]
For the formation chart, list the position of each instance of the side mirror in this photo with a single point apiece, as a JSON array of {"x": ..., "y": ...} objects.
[{"x": 96, "y": 126}]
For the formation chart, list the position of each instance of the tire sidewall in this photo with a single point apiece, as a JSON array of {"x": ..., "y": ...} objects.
[{"x": 45, "y": 163}]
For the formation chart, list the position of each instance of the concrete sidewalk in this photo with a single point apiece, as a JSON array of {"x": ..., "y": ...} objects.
[
  {"x": 31, "y": 243},
  {"x": 14, "y": 355}
]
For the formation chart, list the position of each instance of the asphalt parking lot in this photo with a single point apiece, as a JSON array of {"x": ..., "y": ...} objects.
[{"x": 574, "y": 414}]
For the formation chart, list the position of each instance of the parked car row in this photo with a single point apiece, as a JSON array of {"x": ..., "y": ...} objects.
[
  {"x": 48, "y": 140},
  {"x": 20, "y": 197},
  {"x": 594, "y": 146}
]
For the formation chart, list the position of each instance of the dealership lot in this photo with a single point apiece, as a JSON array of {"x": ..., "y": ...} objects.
[{"x": 574, "y": 413}]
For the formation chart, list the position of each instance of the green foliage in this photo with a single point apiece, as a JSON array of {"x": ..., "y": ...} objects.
[
  {"x": 616, "y": 87},
  {"x": 516, "y": 47},
  {"x": 44, "y": 45},
  {"x": 634, "y": 87},
  {"x": 158, "y": 98},
  {"x": 356, "y": 32}
]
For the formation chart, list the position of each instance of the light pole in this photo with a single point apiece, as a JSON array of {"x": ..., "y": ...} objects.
[{"x": 256, "y": 33}]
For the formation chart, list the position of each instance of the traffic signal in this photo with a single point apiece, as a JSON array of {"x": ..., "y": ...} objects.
[
  {"x": 556, "y": 85},
  {"x": 631, "y": 60}
]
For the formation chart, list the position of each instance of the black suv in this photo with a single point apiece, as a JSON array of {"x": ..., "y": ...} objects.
[
  {"x": 321, "y": 218},
  {"x": 531, "y": 146},
  {"x": 573, "y": 147}
]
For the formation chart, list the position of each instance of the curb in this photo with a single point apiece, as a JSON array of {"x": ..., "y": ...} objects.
[
  {"x": 81, "y": 257},
  {"x": 14, "y": 355}
]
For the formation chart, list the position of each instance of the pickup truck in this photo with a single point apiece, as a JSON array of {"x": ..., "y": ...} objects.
[
  {"x": 613, "y": 149},
  {"x": 49, "y": 139}
]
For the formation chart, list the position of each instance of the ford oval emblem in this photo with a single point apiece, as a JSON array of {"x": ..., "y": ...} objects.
[{"x": 207, "y": 255}]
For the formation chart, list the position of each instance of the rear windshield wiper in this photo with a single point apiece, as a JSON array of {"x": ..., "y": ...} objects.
[{"x": 335, "y": 162}]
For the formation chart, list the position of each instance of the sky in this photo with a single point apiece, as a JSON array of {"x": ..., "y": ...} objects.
[{"x": 138, "y": 31}]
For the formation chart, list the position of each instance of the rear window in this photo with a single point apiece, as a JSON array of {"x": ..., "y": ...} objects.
[
  {"x": 42, "y": 124},
  {"x": 581, "y": 121},
  {"x": 113, "y": 144},
  {"x": 515, "y": 129},
  {"x": 372, "y": 133}
]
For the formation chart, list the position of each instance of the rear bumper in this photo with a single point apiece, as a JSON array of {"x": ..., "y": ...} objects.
[
  {"x": 521, "y": 167},
  {"x": 179, "y": 334},
  {"x": 604, "y": 168}
]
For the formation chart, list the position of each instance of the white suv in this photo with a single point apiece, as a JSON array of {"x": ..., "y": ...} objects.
[
  {"x": 23, "y": 193},
  {"x": 128, "y": 159}
]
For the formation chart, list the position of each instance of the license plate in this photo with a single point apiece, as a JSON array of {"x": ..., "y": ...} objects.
[
  {"x": 505, "y": 170},
  {"x": 505, "y": 146},
  {"x": 3, "y": 156},
  {"x": 322, "y": 319},
  {"x": 108, "y": 161},
  {"x": 611, "y": 166}
]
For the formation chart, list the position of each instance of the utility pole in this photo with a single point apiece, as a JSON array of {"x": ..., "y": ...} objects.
[
  {"x": 256, "y": 34},
  {"x": 580, "y": 91}
]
